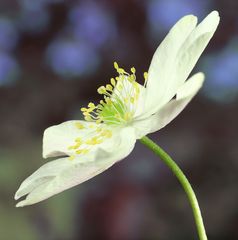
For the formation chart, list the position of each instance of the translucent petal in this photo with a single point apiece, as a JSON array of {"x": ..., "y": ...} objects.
[
  {"x": 58, "y": 139},
  {"x": 162, "y": 85},
  {"x": 171, "y": 110},
  {"x": 128, "y": 90},
  {"x": 175, "y": 58},
  {"x": 61, "y": 174}
]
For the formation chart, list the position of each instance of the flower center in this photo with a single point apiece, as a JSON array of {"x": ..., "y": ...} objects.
[{"x": 120, "y": 99}]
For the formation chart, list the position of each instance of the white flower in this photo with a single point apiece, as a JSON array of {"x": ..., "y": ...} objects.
[{"x": 127, "y": 112}]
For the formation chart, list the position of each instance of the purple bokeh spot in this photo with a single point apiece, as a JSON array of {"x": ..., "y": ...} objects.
[
  {"x": 34, "y": 19},
  {"x": 92, "y": 23},
  {"x": 71, "y": 59},
  {"x": 222, "y": 74},
  {"x": 9, "y": 69},
  {"x": 36, "y": 4},
  {"x": 162, "y": 14},
  {"x": 8, "y": 35}
]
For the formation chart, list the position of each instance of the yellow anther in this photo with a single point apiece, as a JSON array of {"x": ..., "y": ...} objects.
[
  {"x": 116, "y": 65},
  {"x": 109, "y": 87},
  {"x": 79, "y": 125},
  {"x": 101, "y": 90},
  {"x": 146, "y": 78},
  {"x": 113, "y": 82},
  {"x": 91, "y": 109},
  {"x": 84, "y": 109},
  {"x": 91, "y": 126},
  {"x": 132, "y": 99},
  {"x": 106, "y": 133},
  {"x": 98, "y": 121},
  {"x": 133, "y": 70},
  {"x": 82, "y": 151},
  {"x": 94, "y": 141},
  {"x": 86, "y": 113},
  {"x": 76, "y": 146},
  {"x": 91, "y": 105},
  {"x": 132, "y": 78},
  {"x": 145, "y": 75},
  {"x": 79, "y": 140},
  {"x": 88, "y": 118},
  {"x": 120, "y": 70},
  {"x": 72, "y": 157}
]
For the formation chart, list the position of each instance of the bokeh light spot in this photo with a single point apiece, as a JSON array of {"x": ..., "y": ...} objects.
[
  {"x": 9, "y": 69},
  {"x": 72, "y": 58},
  {"x": 8, "y": 34},
  {"x": 34, "y": 20},
  {"x": 92, "y": 23},
  {"x": 162, "y": 14},
  {"x": 222, "y": 74}
]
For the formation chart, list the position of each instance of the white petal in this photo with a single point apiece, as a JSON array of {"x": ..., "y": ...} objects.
[
  {"x": 193, "y": 47},
  {"x": 57, "y": 139},
  {"x": 162, "y": 85},
  {"x": 126, "y": 91},
  {"x": 173, "y": 62},
  {"x": 59, "y": 175},
  {"x": 166, "y": 114}
]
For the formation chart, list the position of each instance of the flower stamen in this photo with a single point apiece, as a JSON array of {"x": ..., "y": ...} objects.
[{"x": 119, "y": 102}]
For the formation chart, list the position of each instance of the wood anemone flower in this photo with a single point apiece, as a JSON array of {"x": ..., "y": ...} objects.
[{"x": 127, "y": 112}]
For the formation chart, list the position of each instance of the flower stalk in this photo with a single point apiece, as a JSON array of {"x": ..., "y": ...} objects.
[{"x": 183, "y": 181}]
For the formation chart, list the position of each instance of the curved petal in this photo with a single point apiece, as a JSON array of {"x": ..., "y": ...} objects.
[
  {"x": 58, "y": 139},
  {"x": 171, "y": 110},
  {"x": 162, "y": 85},
  {"x": 173, "y": 62},
  {"x": 61, "y": 174},
  {"x": 192, "y": 49}
]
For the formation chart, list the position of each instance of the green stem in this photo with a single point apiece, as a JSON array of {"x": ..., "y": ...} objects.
[{"x": 183, "y": 181}]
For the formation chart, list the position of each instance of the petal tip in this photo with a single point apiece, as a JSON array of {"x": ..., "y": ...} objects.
[
  {"x": 21, "y": 204},
  {"x": 16, "y": 197}
]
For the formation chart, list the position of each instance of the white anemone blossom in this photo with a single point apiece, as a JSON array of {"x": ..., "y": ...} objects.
[{"x": 127, "y": 112}]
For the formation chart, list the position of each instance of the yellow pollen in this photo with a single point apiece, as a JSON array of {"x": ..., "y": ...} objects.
[
  {"x": 119, "y": 97},
  {"x": 101, "y": 90},
  {"x": 133, "y": 70},
  {"x": 82, "y": 151},
  {"x": 72, "y": 157},
  {"x": 76, "y": 146},
  {"x": 91, "y": 105},
  {"x": 94, "y": 141},
  {"x": 113, "y": 82},
  {"x": 116, "y": 65},
  {"x": 88, "y": 118},
  {"x": 84, "y": 109},
  {"x": 109, "y": 87},
  {"x": 79, "y": 140},
  {"x": 79, "y": 125},
  {"x": 146, "y": 78},
  {"x": 106, "y": 133}
]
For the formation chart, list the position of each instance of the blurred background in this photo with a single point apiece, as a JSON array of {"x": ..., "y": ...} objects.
[{"x": 53, "y": 56}]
